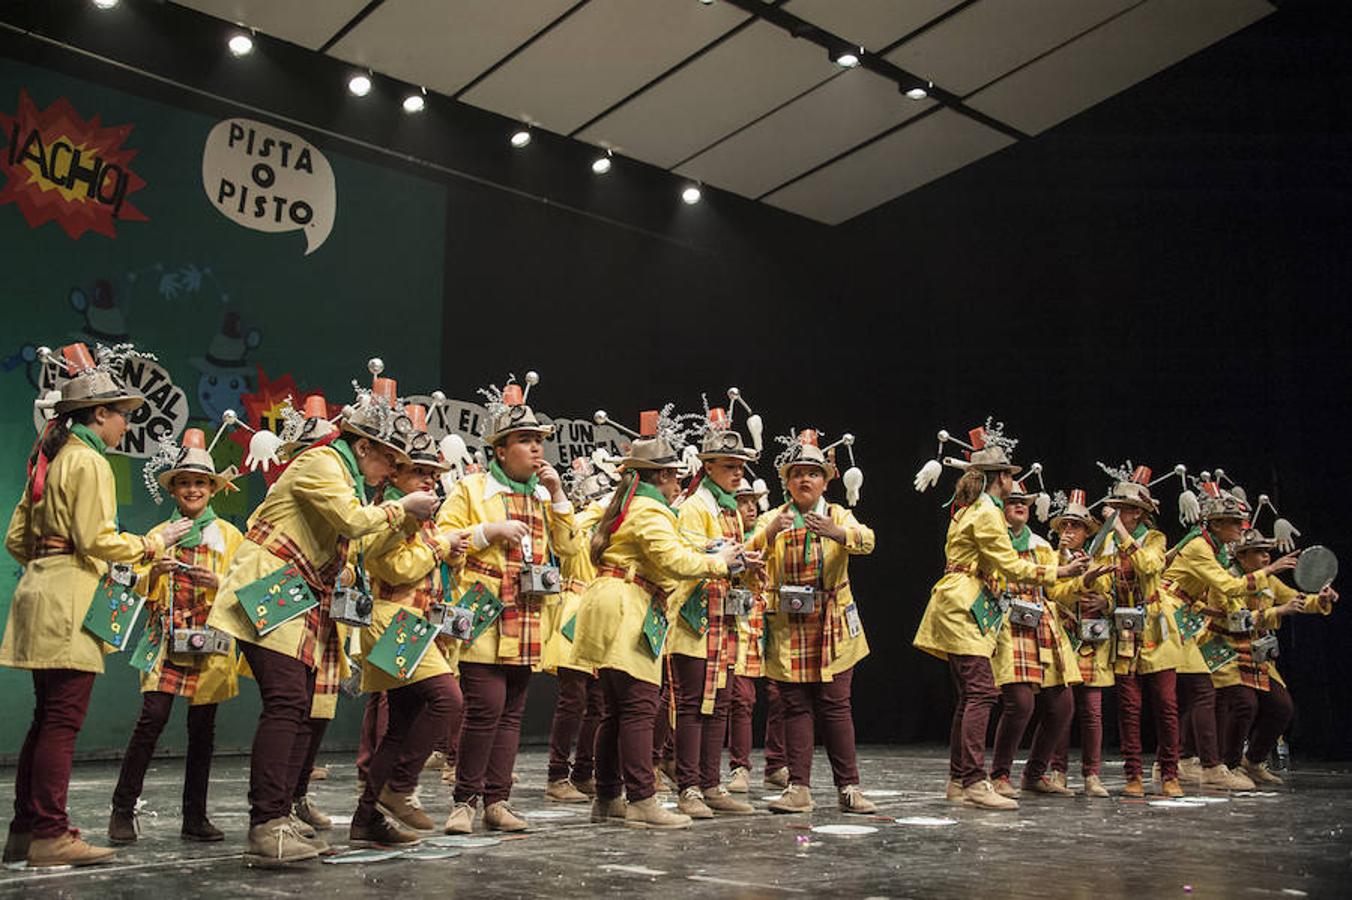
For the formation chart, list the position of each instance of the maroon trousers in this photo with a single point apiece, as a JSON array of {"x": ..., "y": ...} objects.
[
  {"x": 742, "y": 706},
  {"x": 1164, "y": 702},
  {"x": 1089, "y": 710},
  {"x": 624, "y": 739},
  {"x": 1197, "y": 714},
  {"x": 699, "y": 738},
  {"x": 42, "y": 779},
  {"x": 495, "y": 697},
  {"x": 418, "y": 712},
  {"x": 375, "y": 719},
  {"x": 975, "y": 695},
  {"x": 808, "y": 705},
  {"x": 155, "y": 709},
  {"x": 1056, "y": 706},
  {"x": 577, "y": 715},
  {"x": 775, "y": 757},
  {"x": 304, "y": 754},
  {"x": 283, "y": 738},
  {"x": 664, "y": 738},
  {"x": 1261, "y": 716}
]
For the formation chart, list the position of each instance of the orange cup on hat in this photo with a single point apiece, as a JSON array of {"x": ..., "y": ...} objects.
[
  {"x": 78, "y": 356},
  {"x": 647, "y": 423},
  {"x": 195, "y": 439},
  {"x": 315, "y": 407},
  {"x": 386, "y": 389},
  {"x": 512, "y": 395},
  {"x": 417, "y": 414},
  {"x": 1141, "y": 475}
]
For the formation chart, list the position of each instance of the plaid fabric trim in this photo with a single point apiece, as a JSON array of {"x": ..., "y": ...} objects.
[
  {"x": 1250, "y": 675},
  {"x": 720, "y": 641},
  {"x": 319, "y": 632},
  {"x": 1084, "y": 657},
  {"x": 1126, "y": 591},
  {"x": 422, "y": 594},
  {"x": 755, "y": 663}
]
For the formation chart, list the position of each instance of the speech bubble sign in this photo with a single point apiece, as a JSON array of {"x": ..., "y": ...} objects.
[{"x": 269, "y": 180}]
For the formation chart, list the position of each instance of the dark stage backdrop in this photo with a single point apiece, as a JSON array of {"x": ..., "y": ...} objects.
[{"x": 1159, "y": 279}]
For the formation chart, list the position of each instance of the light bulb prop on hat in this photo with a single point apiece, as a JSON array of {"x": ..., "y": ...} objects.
[{"x": 987, "y": 450}]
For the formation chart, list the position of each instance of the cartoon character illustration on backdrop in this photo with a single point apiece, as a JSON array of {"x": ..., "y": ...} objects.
[
  {"x": 225, "y": 371},
  {"x": 103, "y": 318}
]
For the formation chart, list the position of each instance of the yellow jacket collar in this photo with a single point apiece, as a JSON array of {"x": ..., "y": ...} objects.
[{"x": 493, "y": 487}]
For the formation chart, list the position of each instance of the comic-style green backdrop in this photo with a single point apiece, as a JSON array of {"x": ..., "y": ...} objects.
[{"x": 214, "y": 300}]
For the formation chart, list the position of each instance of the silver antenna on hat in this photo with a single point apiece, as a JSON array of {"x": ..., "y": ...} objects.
[
  {"x": 532, "y": 379},
  {"x": 229, "y": 419},
  {"x": 601, "y": 417}
]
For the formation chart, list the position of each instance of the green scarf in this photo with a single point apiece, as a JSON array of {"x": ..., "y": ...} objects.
[
  {"x": 1199, "y": 531},
  {"x": 86, "y": 434},
  {"x": 644, "y": 489},
  {"x": 1020, "y": 540},
  {"x": 518, "y": 487},
  {"x": 345, "y": 453},
  {"x": 800, "y": 522},
  {"x": 390, "y": 494},
  {"x": 1139, "y": 531},
  {"x": 725, "y": 500},
  {"x": 194, "y": 535},
  {"x": 999, "y": 504}
]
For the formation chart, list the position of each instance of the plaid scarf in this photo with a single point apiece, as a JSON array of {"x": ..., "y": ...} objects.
[
  {"x": 812, "y": 638},
  {"x": 319, "y": 632},
  {"x": 720, "y": 641},
  {"x": 1028, "y": 643},
  {"x": 1126, "y": 591},
  {"x": 519, "y": 627},
  {"x": 190, "y": 602}
]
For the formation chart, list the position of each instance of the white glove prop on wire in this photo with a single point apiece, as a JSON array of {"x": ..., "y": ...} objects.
[
  {"x": 763, "y": 490},
  {"x": 1189, "y": 510},
  {"x": 928, "y": 476},
  {"x": 854, "y": 484},
  {"x": 263, "y": 447},
  {"x": 1285, "y": 534},
  {"x": 1043, "y": 506}
]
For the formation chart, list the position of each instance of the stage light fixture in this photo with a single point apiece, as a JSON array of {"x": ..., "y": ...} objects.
[
  {"x": 917, "y": 91},
  {"x": 848, "y": 57},
  {"x": 691, "y": 195},
  {"x": 106, "y": 4},
  {"x": 521, "y": 138},
  {"x": 415, "y": 103},
  {"x": 359, "y": 85},
  {"x": 707, "y": 2},
  {"x": 240, "y": 45},
  {"x": 601, "y": 165}
]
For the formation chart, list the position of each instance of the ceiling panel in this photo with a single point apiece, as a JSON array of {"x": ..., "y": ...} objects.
[
  {"x": 306, "y": 24},
  {"x": 1110, "y": 59},
  {"x": 916, "y": 154},
  {"x": 743, "y": 77},
  {"x": 992, "y": 37},
  {"x": 444, "y": 44},
  {"x": 840, "y": 114},
  {"x": 598, "y": 56},
  {"x": 872, "y": 24}
]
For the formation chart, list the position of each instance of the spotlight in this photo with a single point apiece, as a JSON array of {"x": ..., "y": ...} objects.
[
  {"x": 521, "y": 138},
  {"x": 105, "y": 4},
  {"x": 601, "y": 165},
  {"x": 241, "y": 45},
  {"x": 359, "y": 85},
  {"x": 847, "y": 58},
  {"x": 917, "y": 92},
  {"x": 414, "y": 103},
  {"x": 691, "y": 195},
  {"x": 707, "y": 2}
]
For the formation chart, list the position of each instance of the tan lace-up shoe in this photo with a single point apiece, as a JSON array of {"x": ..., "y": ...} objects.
[
  {"x": 648, "y": 813},
  {"x": 983, "y": 794},
  {"x": 608, "y": 809},
  {"x": 277, "y": 843},
  {"x": 563, "y": 791},
  {"x": 461, "y": 819},
  {"x": 405, "y": 809},
  {"x": 691, "y": 803},
  {"x": 853, "y": 801},
  {"x": 797, "y": 798},
  {"x": 68, "y": 849},
  {"x": 500, "y": 817}
]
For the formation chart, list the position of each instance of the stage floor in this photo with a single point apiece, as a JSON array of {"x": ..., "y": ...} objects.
[{"x": 1293, "y": 842}]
